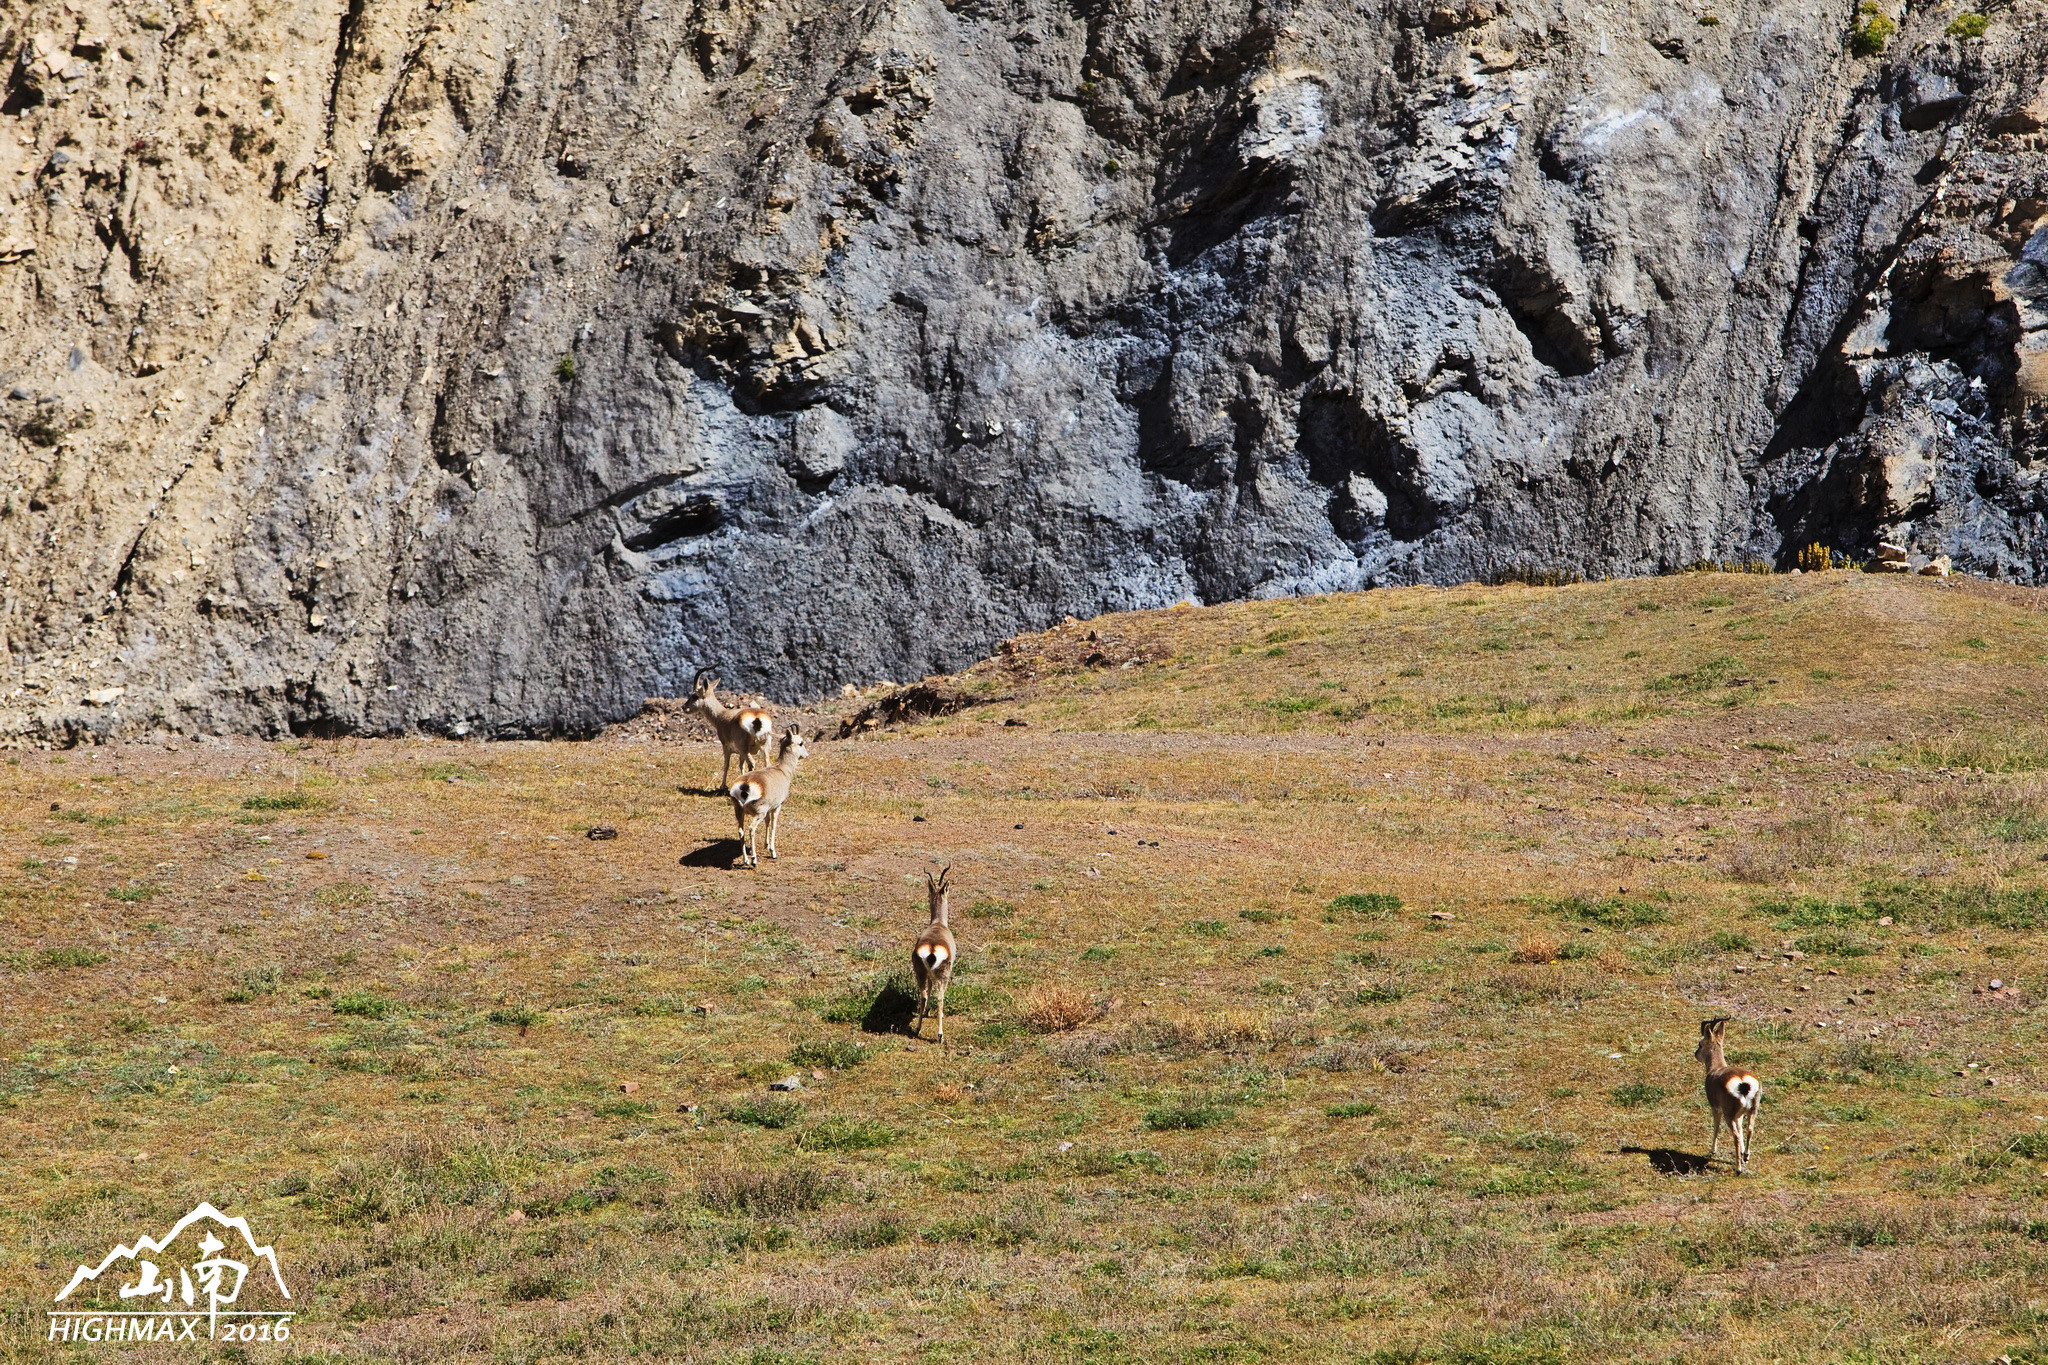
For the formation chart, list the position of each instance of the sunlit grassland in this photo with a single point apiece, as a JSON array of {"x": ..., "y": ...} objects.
[{"x": 1390, "y": 917}]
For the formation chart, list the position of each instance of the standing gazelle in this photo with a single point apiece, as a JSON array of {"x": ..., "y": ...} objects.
[
  {"x": 931, "y": 957},
  {"x": 742, "y": 730},
  {"x": 1732, "y": 1093},
  {"x": 759, "y": 795}
]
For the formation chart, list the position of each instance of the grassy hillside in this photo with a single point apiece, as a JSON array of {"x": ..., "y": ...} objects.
[{"x": 1331, "y": 974}]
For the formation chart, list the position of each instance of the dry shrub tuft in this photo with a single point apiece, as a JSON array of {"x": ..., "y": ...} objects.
[
  {"x": 1527, "y": 987},
  {"x": 1053, "y": 1008},
  {"x": 1818, "y": 840},
  {"x": 1535, "y": 948},
  {"x": 1395, "y": 1055},
  {"x": 773, "y": 1194},
  {"x": 1186, "y": 1035}
]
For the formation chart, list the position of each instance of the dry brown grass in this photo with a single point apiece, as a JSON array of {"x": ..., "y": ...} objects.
[
  {"x": 1535, "y": 948},
  {"x": 1324, "y": 1124},
  {"x": 1051, "y": 1007}
]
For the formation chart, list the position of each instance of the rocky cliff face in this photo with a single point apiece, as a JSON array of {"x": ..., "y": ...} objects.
[{"x": 484, "y": 366}]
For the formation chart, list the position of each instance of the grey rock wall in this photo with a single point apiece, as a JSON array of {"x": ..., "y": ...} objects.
[{"x": 484, "y": 367}]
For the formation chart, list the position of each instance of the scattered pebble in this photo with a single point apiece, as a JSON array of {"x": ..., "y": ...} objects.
[
  {"x": 1066, "y": 1147},
  {"x": 600, "y": 832},
  {"x": 315, "y": 854},
  {"x": 789, "y": 1082},
  {"x": 628, "y": 1087}
]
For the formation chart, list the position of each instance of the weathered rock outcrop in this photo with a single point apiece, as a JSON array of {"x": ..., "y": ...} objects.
[{"x": 485, "y": 366}]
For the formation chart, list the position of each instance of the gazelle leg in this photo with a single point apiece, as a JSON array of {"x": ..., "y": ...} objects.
[
  {"x": 725, "y": 771},
  {"x": 942, "y": 1016},
  {"x": 1715, "y": 1149},
  {"x": 774, "y": 823}
]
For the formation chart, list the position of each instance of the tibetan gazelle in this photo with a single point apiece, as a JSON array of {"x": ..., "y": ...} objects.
[
  {"x": 742, "y": 731},
  {"x": 1732, "y": 1093},
  {"x": 758, "y": 796},
  {"x": 932, "y": 956}
]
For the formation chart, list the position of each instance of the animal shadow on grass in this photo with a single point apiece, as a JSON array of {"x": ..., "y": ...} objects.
[
  {"x": 717, "y": 853},
  {"x": 893, "y": 1009},
  {"x": 1671, "y": 1161}
]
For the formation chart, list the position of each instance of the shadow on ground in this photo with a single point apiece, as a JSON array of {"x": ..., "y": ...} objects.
[
  {"x": 892, "y": 1011},
  {"x": 717, "y": 853},
  {"x": 1670, "y": 1160}
]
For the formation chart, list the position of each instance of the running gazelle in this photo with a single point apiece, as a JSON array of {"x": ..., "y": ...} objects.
[
  {"x": 1732, "y": 1093},
  {"x": 932, "y": 956}
]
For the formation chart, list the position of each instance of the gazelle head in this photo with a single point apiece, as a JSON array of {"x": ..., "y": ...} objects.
[
  {"x": 701, "y": 688},
  {"x": 793, "y": 743},
  {"x": 1709, "y": 1050},
  {"x": 936, "y": 886}
]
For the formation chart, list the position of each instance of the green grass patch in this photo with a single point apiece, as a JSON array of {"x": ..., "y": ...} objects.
[
  {"x": 1187, "y": 1117},
  {"x": 836, "y": 1054},
  {"x": 623, "y": 1109},
  {"x": 773, "y": 1111},
  {"x": 283, "y": 801},
  {"x": 1700, "y": 678},
  {"x": 363, "y": 1005},
  {"x": 57, "y": 959},
  {"x": 1612, "y": 912},
  {"x": 848, "y": 1135},
  {"x": 1834, "y": 944},
  {"x": 2017, "y": 751},
  {"x": 254, "y": 985},
  {"x": 1362, "y": 905}
]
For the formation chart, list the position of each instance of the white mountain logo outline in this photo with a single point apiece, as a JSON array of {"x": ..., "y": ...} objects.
[{"x": 146, "y": 1243}]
